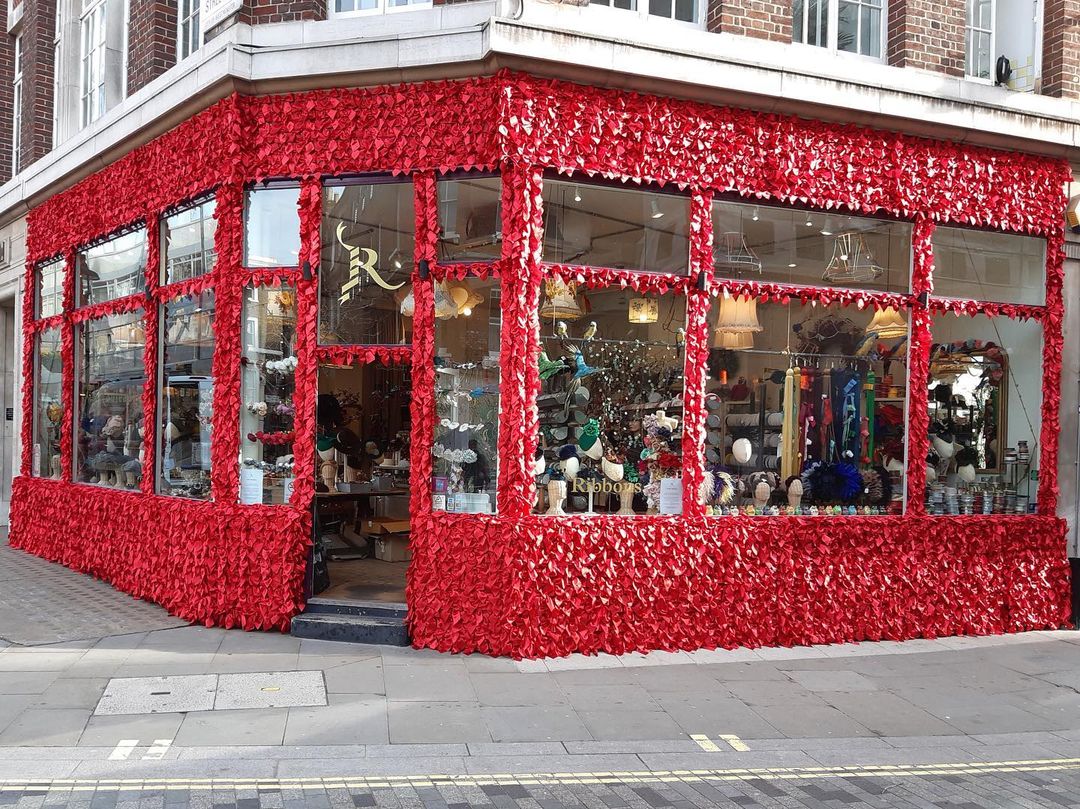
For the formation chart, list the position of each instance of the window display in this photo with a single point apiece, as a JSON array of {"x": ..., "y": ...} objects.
[
  {"x": 50, "y": 291},
  {"x": 110, "y": 378},
  {"x": 111, "y": 269},
  {"x": 609, "y": 226},
  {"x": 186, "y": 403},
  {"x": 989, "y": 266},
  {"x": 806, "y": 409},
  {"x": 812, "y": 248},
  {"x": 985, "y": 406},
  {"x": 470, "y": 218},
  {"x": 610, "y": 401},
  {"x": 272, "y": 227},
  {"x": 187, "y": 242},
  {"x": 267, "y": 411},
  {"x": 368, "y": 233},
  {"x": 48, "y": 404},
  {"x": 468, "y": 327}
]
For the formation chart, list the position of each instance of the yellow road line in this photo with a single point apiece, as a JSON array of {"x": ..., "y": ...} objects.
[{"x": 542, "y": 779}]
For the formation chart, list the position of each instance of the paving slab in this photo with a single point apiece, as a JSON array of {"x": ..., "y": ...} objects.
[
  {"x": 420, "y": 722},
  {"x": 886, "y": 714},
  {"x": 510, "y": 689},
  {"x": 535, "y": 724},
  {"x": 261, "y": 726},
  {"x": 81, "y": 692},
  {"x": 146, "y": 695},
  {"x": 447, "y": 681},
  {"x": 349, "y": 719},
  {"x": 307, "y": 768},
  {"x": 108, "y": 731},
  {"x": 42, "y": 726},
  {"x": 543, "y": 764},
  {"x": 26, "y": 682},
  {"x": 811, "y": 720},
  {"x": 616, "y": 725},
  {"x": 817, "y": 680}
]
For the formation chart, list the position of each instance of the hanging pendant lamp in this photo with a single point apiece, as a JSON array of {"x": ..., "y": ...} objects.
[
  {"x": 888, "y": 324},
  {"x": 732, "y": 340},
  {"x": 737, "y": 323},
  {"x": 852, "y": 261},
  {"x": 561, "y": 303},
  {"x": 733, "y": 256}
]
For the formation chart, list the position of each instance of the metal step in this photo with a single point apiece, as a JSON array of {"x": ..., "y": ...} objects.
[
  {"x": 335, "y": 606},
  {"x": 375, "y": 629}
]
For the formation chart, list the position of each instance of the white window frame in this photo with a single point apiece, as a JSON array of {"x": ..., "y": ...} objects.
[
  {"x": 969, "y": 37},
  {"x": 186, "y": 46},
  {"x": 16, "y": 112},
  {"x": 58, "y": 71},
  {"x": 382, "y": 7},
  {"x": 640, "y": 8},
  {"x": 832, "y": 22},
  {"x": 92, "y": 26}
]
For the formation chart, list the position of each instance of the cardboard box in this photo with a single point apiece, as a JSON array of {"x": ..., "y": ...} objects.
[
  {"x": 385, "y": 525},
  {"x": 393, "y": 548}
]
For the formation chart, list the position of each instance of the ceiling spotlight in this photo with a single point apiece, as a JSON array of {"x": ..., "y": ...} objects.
[
  {"x": 577, "y": 194},
  {"x": 656, "y": 212},
  {"x": 755, "y": 217},
  {"x": 827, "y": 228},
  {"x": 792, "y": 265},
  {"x": 809, "y": 222}
]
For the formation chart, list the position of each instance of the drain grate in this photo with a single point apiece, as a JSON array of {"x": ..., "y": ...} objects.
[{"x": 212, "y": 692}]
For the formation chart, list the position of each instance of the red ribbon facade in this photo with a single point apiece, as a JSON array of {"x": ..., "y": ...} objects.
[{"x": 513, "y": 583}]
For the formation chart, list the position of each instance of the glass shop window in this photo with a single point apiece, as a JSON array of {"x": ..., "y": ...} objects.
[
  {"x": 468, "y": 325},
  {"x": 607, "y": 226},
  {"x": 811, "y": 248},
  {"x": 187, "y": 242},
  {"x": 272, "y": 227},
  {"x": 985, "y": 404},
  {"x": 805, "y": 409},
  {"x": 368, "y": 233},
  {"x": 986, "y": 266},
  {"x": 186, "y": 403},
  {"x": 470, "y": 219},
  {"x": 50, "y": 289},
  {"x": 610, "y": 401},
  {"x": 268, "y": 382},
  {"x": 112, "y": 269},
  {"x": 48, "y": 404},
  {"x": 110, "y": 377}
]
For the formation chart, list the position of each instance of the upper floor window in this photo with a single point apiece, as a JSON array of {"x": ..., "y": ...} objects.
[
  {"x": 111, "y": 269},
  {"x": 92, "y": 63},
  {"x": 189, "y": 37},
  {"x": 16, "y": 109},
  {"x": 680, "y": 10},
  {"x": 851, "y": 26},
  {"x": 357, "y": 8},
  {"x": 980, "y": 38}
]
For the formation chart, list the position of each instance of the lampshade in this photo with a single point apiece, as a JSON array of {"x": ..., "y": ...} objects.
[
  {"x": 406, "y": 301},
  {"x": 738, "y": 315},
  {"x": 888, "y": 323},
  {"x": 732, "y": 340},
  {"x": 732, "y": 255},
  {"x": 465, "y": 298},
  {"x": 561, "y": 303},
  {"x": 445, "y": 308},
  {"x": 643, "y": 310},
  {"x": 851, "y": 261}
]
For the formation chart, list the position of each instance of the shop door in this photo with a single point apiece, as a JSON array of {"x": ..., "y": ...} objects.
[{"x": 362, "y": 519}]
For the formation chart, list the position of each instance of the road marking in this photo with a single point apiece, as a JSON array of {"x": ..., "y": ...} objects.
[
  {"x": 123, "y": 749},
  {"x": 736, "y": 743},
  {"x": 894, "y": 771},
  {"x": 158, "y": 751},
  {"x": 705, "y": 743}
]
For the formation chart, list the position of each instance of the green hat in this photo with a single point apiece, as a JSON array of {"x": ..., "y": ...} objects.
[{"x": 589, "y": 433}]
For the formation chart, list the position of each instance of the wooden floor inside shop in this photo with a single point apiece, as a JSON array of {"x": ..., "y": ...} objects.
[{"x": 366, "y": 580}]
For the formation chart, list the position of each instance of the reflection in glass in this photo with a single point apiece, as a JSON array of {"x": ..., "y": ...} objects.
[
  {"x": 272, "y": 227},
  {"x": 48, "y": 404},
  {"x": 112, "y": 269},
  {"x": 368, "y": 234},
  {"x": 186, "y": 403},
  {"x": 267, "y": 410},
  {"x": 985, "y": 407},
  {"x": 468, "y": 326},
  {"x": 50, "y": 295},
  {"x": 811, "y": 248},
  {"x": 187, "y": 242},
  {"x": 470, "y": 219},
  {"x": 604, "y": 226},
  {"x": 610, "y": 402},
  {"x": 988, "y": 266},
  {"x": 806, "y": 409},
  {"x": 110, "y": 378}
]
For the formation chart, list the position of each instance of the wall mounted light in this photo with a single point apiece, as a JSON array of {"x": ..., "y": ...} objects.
[
  {"x": 656, "y": 212},
  {"x": 577, "y": 194}
]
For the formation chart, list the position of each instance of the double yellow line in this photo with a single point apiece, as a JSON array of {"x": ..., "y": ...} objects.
[{"x": 540, "y": 779}]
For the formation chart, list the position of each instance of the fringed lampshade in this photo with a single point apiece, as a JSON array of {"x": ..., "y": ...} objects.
[
  {"x": 888, "y": 324},
  {"x": 561, "y": 303}
]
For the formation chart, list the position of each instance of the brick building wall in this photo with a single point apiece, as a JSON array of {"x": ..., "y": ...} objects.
[
  {"x": 39, "y": 22},
  {"x": 151, "y": 40},
  {"x": 927, "y": 34},
  {"x": 258, "y": 12},
  {"x": 7, "y": 92},
  {"x": 1061, "y": 49},
  {"x": 759, "y": 19}
]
